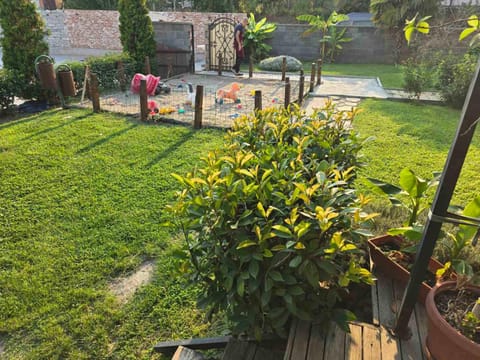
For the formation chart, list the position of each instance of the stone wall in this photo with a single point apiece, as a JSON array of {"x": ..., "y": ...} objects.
[{"x": 368, "y": 45}]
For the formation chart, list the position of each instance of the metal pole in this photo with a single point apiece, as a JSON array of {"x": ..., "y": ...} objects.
[
  {"x": 284, "y": 67},
  {"x": 287, "y": 92},
  {"x": 312, "y": 77},
  {"x": 451, "y": 171},
  {"x": 301, "y": 87},
  {"x": 143, "y": 100}
]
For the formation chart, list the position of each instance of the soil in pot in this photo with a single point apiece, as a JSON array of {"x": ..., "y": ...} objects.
[{"x": 453, "y": 306}]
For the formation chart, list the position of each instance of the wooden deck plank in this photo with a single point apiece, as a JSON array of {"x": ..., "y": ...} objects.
[
  {"x": 291, "y": 340},
  {"x": 184, "y": 353},
  {"x": 354, "y": 343},
  {"x": 335, "y": 344},
  {"x": 390, "y": 346},
  {"x": 411, "y": 348},
  {"x": 302, "y": 337},
  {"x": 316, "y": 346},
  {"x": 422, "y": 323},
  {"x": 371, "y": 343}
]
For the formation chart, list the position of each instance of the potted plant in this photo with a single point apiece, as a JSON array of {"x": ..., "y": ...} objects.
[
  {"x": 394, "y": 253},
  {"x": 453, "y": 313}
]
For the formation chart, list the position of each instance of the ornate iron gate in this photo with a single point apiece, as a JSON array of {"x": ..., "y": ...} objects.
[{"x": 220, "y": 43}]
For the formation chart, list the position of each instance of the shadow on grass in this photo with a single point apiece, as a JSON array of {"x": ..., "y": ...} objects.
[
  {"x": 106, "y": 139},
  {"x": 7, "y": 122},
  {"x": 170, "y": 149},
  {"x": 44, "y": 131}
]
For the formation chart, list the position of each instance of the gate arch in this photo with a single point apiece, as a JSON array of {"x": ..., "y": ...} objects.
[{"x": 220, "y": 42}]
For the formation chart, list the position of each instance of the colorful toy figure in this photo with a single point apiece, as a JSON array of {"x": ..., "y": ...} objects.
[
  {"x": 232, "y": 94},
  {"x": 152, "y": 82},
  {"x": 166, "y": 110},
  {"x": 152, "y": 107},
  {"x": 190, "y": 95}
]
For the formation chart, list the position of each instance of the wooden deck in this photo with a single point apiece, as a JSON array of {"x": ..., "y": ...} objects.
[{"x": 365, "y": 341}]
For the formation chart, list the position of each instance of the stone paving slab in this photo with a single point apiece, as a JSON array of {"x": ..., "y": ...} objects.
[
  {"x": 342, "y": 103},
  {"x": 351, "y": 87}
]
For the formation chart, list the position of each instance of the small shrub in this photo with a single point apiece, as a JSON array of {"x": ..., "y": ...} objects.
[
  {"x": 275, "y": 64},
  {"x": 455, "y": 77},
  {"x": 272, "y": 221},
  {"x": 9, "y": 88},
  {"x": 416, "y": 77}
]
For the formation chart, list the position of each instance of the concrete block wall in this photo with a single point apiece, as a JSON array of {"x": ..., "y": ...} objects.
[{"x": 368, "y": 45}]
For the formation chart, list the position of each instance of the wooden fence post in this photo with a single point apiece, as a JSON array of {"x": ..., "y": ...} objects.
[
  {"x": 220, "y": 64},
  {"x": 143, "y": 100},
  {"x": 258, "y": 100},
  {"x": 319, "y": 71},
  {"x": 287, "y": 92},
  {"x": 250, "y": 67},
  {"x": 86, "y": 85},
  {"x": 148, "y": 68},
  {"x": 94, "y": 92},
  {"x": 301, "y": 87},
  {"x": 312, "y": 77},
  {"x": 197, "y": 121},
  {"x": 284, "y": 67}
]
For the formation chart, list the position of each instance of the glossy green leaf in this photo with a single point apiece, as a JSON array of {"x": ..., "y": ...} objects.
[
  {"x": 245, "y": 244},
  {"x": 295, "y": 262}
]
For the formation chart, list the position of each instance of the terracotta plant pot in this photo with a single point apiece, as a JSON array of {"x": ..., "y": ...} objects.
[
  {"x": 443, "y": 341},
  {"x": 67, "y": 84},
  {"x": 394, "y": 270},
  {"x": 46, "y": 74}
]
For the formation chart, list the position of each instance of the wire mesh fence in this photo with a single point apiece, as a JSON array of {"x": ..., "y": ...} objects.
[{"x": 225, "y": 98}]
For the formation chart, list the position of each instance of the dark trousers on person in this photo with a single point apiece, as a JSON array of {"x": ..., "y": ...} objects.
[{"x": 238, "y": 60}]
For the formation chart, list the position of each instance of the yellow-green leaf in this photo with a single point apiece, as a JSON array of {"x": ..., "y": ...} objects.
[
  {"x": 408, "y": 33},
  {"x": 246, "y": 243},
  {"x": 466, "y": 32},
  {"x": 423, "y": 27},
  {"x": 473, "y": 21},
  {"x": 261, "y": 209},
  {"x": 299, "y": 246}
]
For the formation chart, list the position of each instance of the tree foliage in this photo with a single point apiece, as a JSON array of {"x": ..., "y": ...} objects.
[
  {"x": 91, "y": 4},
  {"x": 255, "y": 35},
  {"x": 136, "y": 30},
  {"x": 215, "y": 5},
  {"x": 22, "y": 40},
  {"x": 392, "y": 14}
]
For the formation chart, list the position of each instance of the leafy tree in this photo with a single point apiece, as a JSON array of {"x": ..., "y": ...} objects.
[
  {"x": 392, "y": 14},
  {"x": 91, "y": 4},
  {"x": 331, "y": 36},
  {"x": 215, "y": 5},
  {"x": 255, "y": 35},
  {"x": 136, "y": 30},
  {"x": 22, "y": 40}
]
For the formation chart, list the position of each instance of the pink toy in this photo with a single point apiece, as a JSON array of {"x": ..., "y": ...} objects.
[
  {"x": 229, "y": 94},
  {"x": 152, "y": 107},
  {"x": 152, "y": 82}
]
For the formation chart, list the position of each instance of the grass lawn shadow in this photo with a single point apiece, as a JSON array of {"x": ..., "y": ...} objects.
[
  {"x": 47, "y": 130},
  {"x": 161, "y": 155},
  {"x": 106, "y": 139}
]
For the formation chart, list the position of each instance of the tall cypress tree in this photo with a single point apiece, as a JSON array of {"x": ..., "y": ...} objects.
[
  {"x": 136, "y": 29},
  {"x": 23, "y": 39}
]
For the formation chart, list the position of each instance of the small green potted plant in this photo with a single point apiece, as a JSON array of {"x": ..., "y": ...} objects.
[{"x": 394, "y": 252}]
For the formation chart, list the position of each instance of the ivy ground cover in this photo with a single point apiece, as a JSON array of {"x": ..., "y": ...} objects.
[{"x": 82, "y": 199}]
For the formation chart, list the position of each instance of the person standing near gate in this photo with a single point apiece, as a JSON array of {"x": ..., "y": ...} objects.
[{"x": 238, "y": 33}]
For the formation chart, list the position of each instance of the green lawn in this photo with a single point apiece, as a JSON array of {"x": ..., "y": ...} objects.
[
  {"x": 390, "y": 75},
  {"x": 82, "y": 199},
  {"x": 415, "y": 136}
]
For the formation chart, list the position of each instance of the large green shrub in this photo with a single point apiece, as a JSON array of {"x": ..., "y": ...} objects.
[
  {"x": 136, "y": 30},
  {"x": 417, "y": 77},
  {"x": 9, "y": 87},
  {"x": 454, "y": 78},
  {"x": 106, "y": 69},
  {"x": 272, "y": 222},
  {"x": 22, "y": 41}
]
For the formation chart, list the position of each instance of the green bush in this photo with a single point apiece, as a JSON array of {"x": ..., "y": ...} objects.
[
  {"x": 272, "y": 221},
  {"x": 416, "y": 77},
  {"x": 454, "y": 78},
  {"x": 9, "y": 87},
  {"x": 106, "y": 69},
  {"x": 23, "y": 39}
]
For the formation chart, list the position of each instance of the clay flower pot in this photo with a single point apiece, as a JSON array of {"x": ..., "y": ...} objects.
[
  {"x": 394, "y": 270},
  {"x": 443, "y": 341}
]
